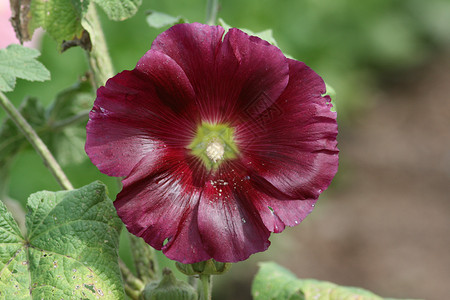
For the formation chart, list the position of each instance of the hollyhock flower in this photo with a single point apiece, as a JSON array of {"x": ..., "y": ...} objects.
[{"x": 221, "y": 140}]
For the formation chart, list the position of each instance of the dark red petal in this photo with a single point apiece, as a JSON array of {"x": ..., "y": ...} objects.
[
  {"x": 258, "y": 70},
  {"x": 170, "y": 81},
  {"x": 157, "y": 204},
  {"x": 143, "y": 120},
  {"x": 228, "y": 77},
  {"x": 291, "y": 150},
  {"x": 193, "y": 47},
  {"x": 229, "y": 224},
  {"x": 137, "y": 112},
  {"x": 276, "y": 214}
]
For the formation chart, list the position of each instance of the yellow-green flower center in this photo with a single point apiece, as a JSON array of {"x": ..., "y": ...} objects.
[{"x": 213, "y": 144}]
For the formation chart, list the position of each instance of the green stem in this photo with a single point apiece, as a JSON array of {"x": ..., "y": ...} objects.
[
  {"x": 133, "y": 286},
  {"x": 4, "y": 178},
  {"x": 212, "y": 7},
  {"x": 206, "y": 285},
  {"x": 193, "y": 281},
  {"x": 81, "y": 116},
  {"x": 36, "y": 142},
  {"x": 99, "y": 59}
]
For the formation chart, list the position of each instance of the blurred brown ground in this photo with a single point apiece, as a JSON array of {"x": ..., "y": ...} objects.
[{"x": 384, "y": 224}]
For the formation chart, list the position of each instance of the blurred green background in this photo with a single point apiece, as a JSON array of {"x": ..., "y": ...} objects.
[{"x": 383, "y": 224}]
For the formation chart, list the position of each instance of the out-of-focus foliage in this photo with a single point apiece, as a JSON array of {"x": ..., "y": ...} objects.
[
  {"x": 158, "y": 19},
  {"x": 276, "y": 282},
  {"x": 348, "y": 42}
]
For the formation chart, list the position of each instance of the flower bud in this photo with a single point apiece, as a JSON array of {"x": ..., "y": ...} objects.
[
  {"x": 208, "y": 267},
  {"x": 168, "y": 288}
]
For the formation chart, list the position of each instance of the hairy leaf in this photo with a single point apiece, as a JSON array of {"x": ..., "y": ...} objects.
[
  {"x": 275, "y": 282},
  {"x": 65, "y": 20},
  {"x": 17, "y": 61},
  {"x": 60, "y": 18},
  {"x": 119, "y": 10},
  {"x": 70, "y": 249}
]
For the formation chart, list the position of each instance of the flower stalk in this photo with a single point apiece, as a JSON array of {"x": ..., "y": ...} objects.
[
  {"x": 31, "y": 135},
  {"x": 98, "y": 58},
  {"x": 212, "y": 7},
  {"x": 206, "y": 287}
]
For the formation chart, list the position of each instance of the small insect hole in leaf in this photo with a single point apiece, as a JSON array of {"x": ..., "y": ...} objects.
[{"x": 90, "y": 287}]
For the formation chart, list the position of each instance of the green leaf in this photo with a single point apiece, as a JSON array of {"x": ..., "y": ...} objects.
[
  {"x": 11, "y": 139},
  {"x": 119, "y": 10},
  {"x": 61, "y": 126},
  {"x": 266, "y": 35},
  {"x": 158, "y": 19},
  {"x": 71, "y": 101},
  {"x": 64, "y": 20},
  {"x": 17, "y": 61},
  {"x": 332, "y": 94},
  {"x": 327, "y": 290},
  {"x": 275, "y": 282},
  {"x": 12, "y": 259},
  {"x": 60, "y": 18},
  {"x": 66, "y": 123},
  {"x": 70, "y": 249}
]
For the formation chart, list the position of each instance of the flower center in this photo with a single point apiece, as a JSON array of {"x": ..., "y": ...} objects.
[
  {"x": 215, "y": 150},
  {"x": 213, "y": 144}
]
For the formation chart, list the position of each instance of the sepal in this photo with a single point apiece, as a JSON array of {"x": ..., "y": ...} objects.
[
  {"x": 168, "y": 288},
  {"x": 208, "y": 267}
]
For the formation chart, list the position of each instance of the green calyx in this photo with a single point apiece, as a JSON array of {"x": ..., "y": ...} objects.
[
  {"x": 168, "y": 288},
  {"x": 213, "y": 144},
  {"x": 207, "y": 267}
]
